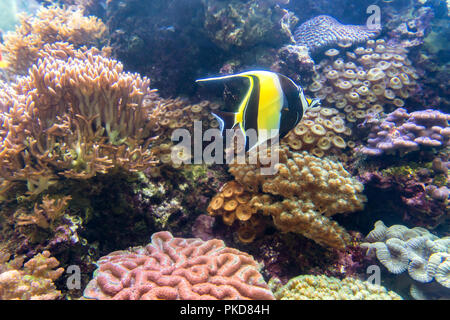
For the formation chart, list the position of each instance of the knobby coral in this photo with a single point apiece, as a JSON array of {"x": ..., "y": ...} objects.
[
  {"x": 403, "y": 132},
  {"x": 177, "y": 268},
  {"x": 309, "y": 287},
  {"x": 311, "y": 190},
  {"x": 33, "y": 281},
  {"x": 77, "y": 113}
]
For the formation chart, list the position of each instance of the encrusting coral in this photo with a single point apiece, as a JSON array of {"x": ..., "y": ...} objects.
[
  {"x": 32, "y": 281},
  {"x": 22, "y": 47},
  {"x": 367, "y": 80},
  {"x": 77, "y": 113},
  {"x": 422, "y": 254},
  {"x": 310, "y": 287},
  {"x": 312, "y": 190},
  {"x": 322, "y": 31},
  {"x": 177, "y": 268}
]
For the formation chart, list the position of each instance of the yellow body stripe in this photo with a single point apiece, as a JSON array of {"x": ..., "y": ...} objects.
[{"x": 270, "y": 101}]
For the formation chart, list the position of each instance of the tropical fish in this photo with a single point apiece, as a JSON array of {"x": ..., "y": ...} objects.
[{"x": 273, "y": 102}]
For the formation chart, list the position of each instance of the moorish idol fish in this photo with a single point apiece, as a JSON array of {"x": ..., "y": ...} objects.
[{"x": 273, "y": 102}]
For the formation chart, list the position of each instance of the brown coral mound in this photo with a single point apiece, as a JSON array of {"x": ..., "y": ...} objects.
[
  {"x": 22, "y": 47},
  {"x": 176, "y": 268},
  {"x": 313, "y": 190},
  {"x": 75, "y": 114},
  {"x": 33, "y": 281}
]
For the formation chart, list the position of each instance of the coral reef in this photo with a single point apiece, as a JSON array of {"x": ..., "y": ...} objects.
[
  {"x": 309, "y": 287},
  {"x": 176, "y": 268},
  {"x": 32, "y": 281},
  {"x": 323, "y": 31},
  {"x": 403, "y": 132},
  {"x": 294, "y": 62},
  {"x": 242, "y": 24},
  {"x": 322, "y": 132},
  {"x": 410, "y": 29},
  {"x": 313, "y": 190},
  {"x": 419, "y": 196},
  {"x": 416, "y": 250},
  {"x": 366, "y": 80},
  {"x": 22, "y": 47},
  {"x": 75, "y": 115}
]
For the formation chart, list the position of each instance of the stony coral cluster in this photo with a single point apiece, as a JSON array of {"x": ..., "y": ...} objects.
[{"x": 312, "y": 189}]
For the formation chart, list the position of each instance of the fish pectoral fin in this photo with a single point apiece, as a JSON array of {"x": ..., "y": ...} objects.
[{"x": 227, "y": 120}]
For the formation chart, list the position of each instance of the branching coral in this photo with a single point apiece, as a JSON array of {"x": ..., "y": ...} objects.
[
  {"x": 76, "y": 113},
  {"x": 313, "y": 190},
  {"x": 177, "y": 268},
  {"x": 366, "y": 80},
  {"x": 50, "y": 25},
  {"x": 309, "y": 287},
  {"x": 399, "y": 248},
  {"x": 45, "y": 214},
  {"x": 33, "y": 281}
]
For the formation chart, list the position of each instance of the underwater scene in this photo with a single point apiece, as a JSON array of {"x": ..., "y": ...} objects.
[{"x": 224, "y": 150}]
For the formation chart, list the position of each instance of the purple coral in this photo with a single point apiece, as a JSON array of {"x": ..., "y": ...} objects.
[
  {"x": 404, "y": 132},
  {"x": 323, "y": 31}
]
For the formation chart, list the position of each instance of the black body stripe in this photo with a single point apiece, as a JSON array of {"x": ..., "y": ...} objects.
[
  {"x": 292, "y": 116},
  {"x": 250, "y": 116}
]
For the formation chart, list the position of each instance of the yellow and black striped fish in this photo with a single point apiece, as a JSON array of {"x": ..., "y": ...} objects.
[{"x": 272, "y": 102}]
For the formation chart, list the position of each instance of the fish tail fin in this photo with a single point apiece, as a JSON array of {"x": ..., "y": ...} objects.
[{"x": 227, "y": 120}]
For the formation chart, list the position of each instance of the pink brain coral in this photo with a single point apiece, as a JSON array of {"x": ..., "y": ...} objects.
[{"x": 177, "y": 268}]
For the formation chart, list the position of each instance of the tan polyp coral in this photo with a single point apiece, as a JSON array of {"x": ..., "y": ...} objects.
[
  {"x": 313, "y": 189},
  {"x": 33, "y": 281},
  {"x": 76, "y": 114},
  {"x": 316, "y": 131},
  {"x": 362, "y": 76},
  {"x": 22, "y": 47},
  {"x": 322, "y": 287}
]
